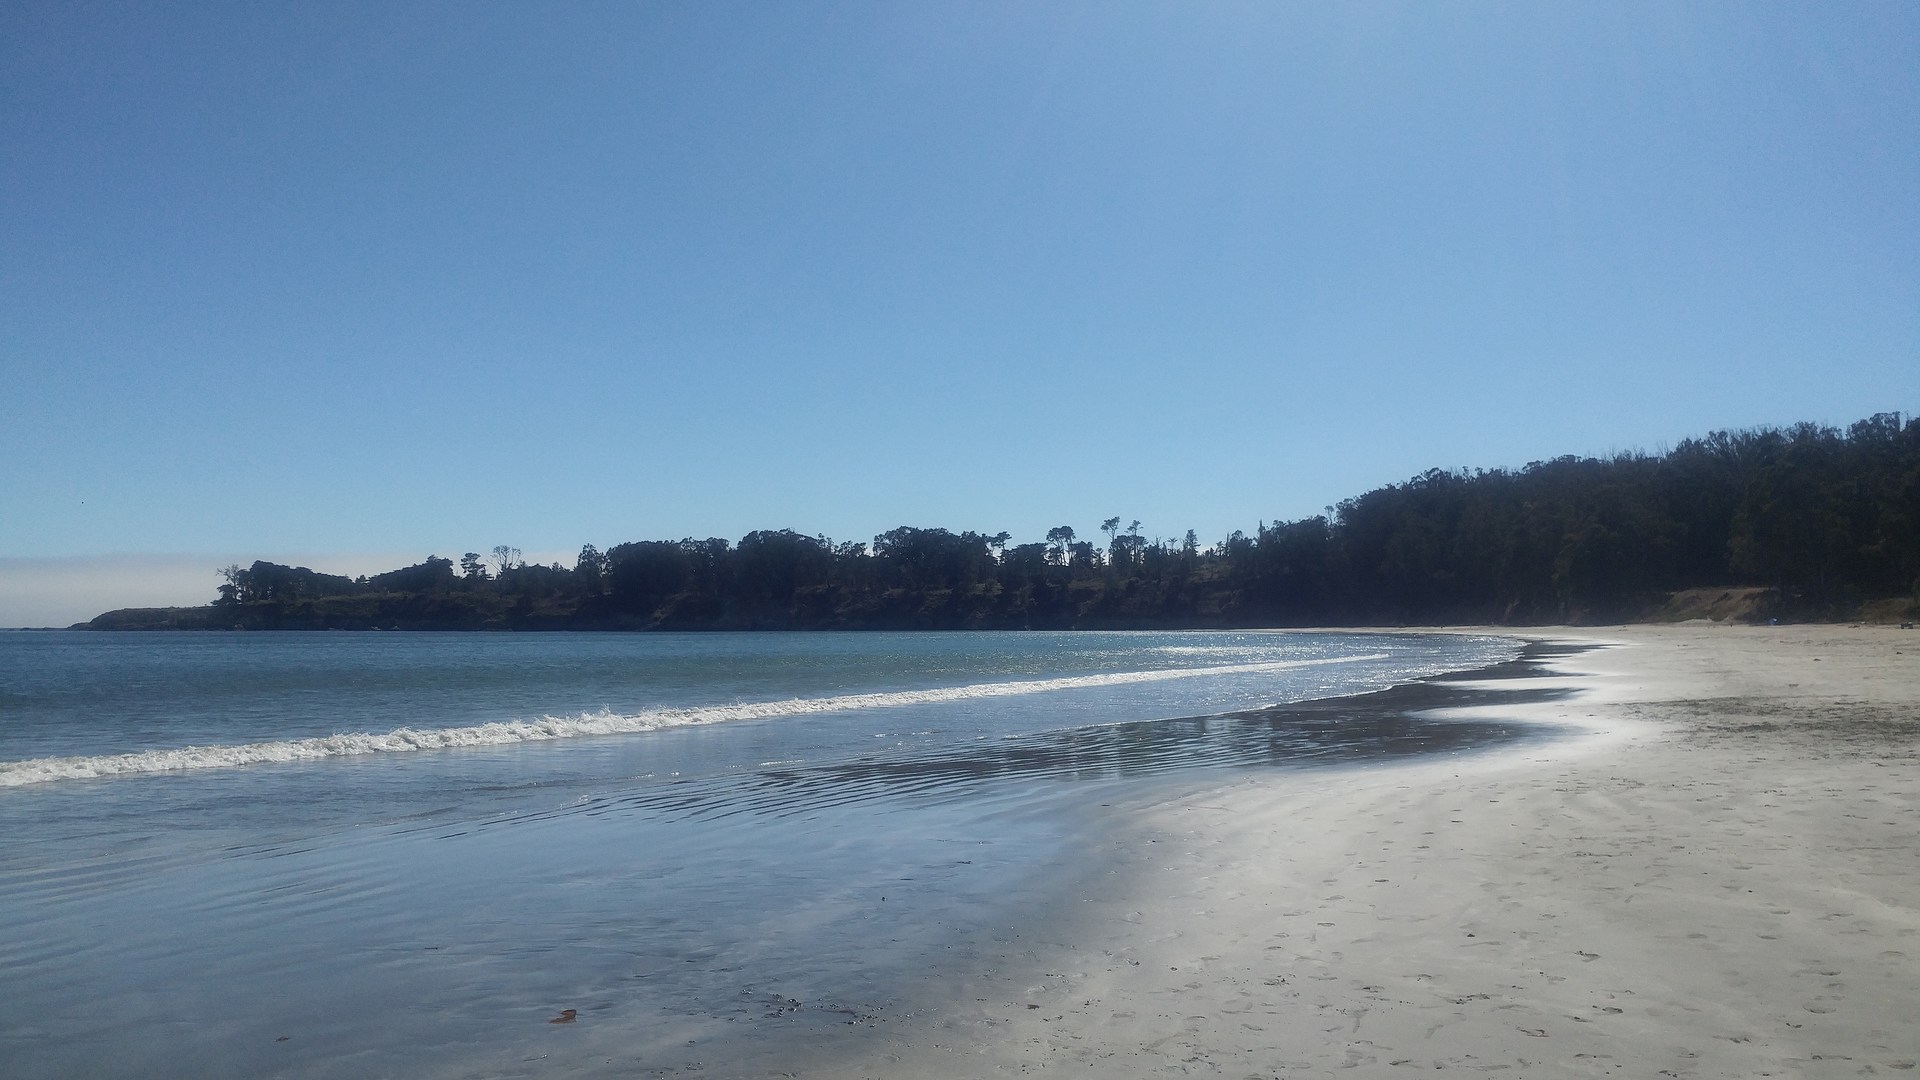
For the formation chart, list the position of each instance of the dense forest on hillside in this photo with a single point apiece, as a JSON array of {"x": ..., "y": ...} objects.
[{"x": 1824, "y": 520}]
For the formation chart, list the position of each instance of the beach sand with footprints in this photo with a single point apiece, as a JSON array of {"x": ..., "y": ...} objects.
[{"x": 1717, "y": 877}]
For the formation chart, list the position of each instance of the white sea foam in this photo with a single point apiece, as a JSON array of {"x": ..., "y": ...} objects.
[{"x": 402, "y": 740}]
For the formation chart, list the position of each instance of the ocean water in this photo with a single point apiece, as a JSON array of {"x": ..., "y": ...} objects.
[{"x": 404, "y": 854}]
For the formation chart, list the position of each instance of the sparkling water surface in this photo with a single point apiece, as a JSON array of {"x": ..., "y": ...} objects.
[{"x": 713, "y": 847}]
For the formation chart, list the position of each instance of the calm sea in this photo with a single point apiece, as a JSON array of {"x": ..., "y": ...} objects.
[{"x": 403, "y": 854}]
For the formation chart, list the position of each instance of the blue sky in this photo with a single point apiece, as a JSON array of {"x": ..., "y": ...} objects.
[{"x": 361, "y": 283}]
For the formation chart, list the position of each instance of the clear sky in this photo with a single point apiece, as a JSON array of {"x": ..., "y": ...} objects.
[{"x": 358, "y": 283}]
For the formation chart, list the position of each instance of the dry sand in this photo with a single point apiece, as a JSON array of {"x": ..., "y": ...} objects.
[{"x": 1720, "y": 877}]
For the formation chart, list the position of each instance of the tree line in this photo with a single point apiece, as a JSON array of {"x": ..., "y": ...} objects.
[{"x": 1827, "y": 518}]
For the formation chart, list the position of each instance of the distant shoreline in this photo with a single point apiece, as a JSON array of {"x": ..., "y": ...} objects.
[
  {"x": 1802, "y": 524},
  {"x": 1676, "y": 610}
]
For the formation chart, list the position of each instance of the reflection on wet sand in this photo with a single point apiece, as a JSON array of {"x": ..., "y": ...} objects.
[{"x": 1386, "y": 724}]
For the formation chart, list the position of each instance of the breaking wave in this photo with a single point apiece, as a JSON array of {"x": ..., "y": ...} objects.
[{"x": 547, "y": 728}]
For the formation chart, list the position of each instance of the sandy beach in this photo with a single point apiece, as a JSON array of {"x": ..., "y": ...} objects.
[{"x": 1717, "y": 877}]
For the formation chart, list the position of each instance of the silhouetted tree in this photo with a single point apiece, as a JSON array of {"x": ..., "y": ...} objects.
[
  {"x": 505, "y": 558},
  {"x": 1828, "y": 517},
  {"x": 1059, "y": 538}
]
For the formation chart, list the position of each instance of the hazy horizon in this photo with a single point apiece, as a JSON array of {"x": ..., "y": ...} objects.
[{"x": 59, "y": 591}]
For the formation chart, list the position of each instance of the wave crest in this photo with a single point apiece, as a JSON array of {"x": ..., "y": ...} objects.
[{"x": 548, "y": 728}]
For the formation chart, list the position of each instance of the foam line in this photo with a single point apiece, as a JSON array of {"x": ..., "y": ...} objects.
[{"x": 547, "y": 728}]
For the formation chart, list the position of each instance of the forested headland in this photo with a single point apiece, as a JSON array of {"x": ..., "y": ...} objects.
[{"x": 1805, "y": 522}]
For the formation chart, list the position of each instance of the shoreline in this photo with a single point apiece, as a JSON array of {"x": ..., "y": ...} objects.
[
  {"x": 1714, "y": 877},
  {"x": 734, "y": 945},
  {"x": 1707, "y": 871}
]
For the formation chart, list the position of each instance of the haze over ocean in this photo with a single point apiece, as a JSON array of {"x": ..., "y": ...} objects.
[{"x": 349, "y": 288}]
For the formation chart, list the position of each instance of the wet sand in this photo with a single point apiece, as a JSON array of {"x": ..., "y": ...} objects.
[{"x": 1718, "y": 877}]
